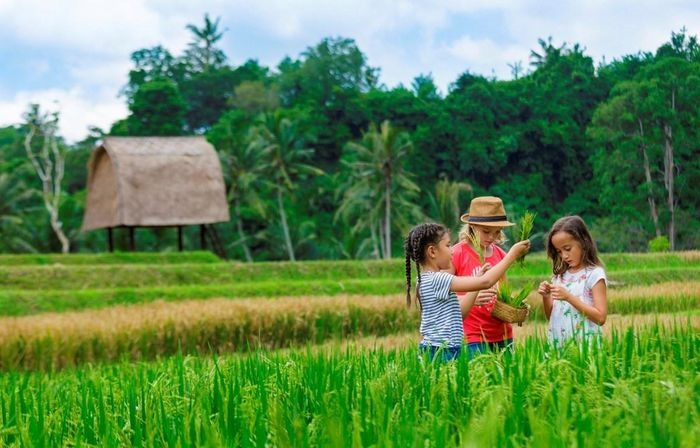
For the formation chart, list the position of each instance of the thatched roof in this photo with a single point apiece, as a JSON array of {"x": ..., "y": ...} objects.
[{"x": 154, "y": 181}]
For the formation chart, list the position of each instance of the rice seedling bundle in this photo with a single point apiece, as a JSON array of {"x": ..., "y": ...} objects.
[
  {"x": 475, "y": 241},
  {"x": 510, "y": 306},
  {"x": 525, "y": 226}
]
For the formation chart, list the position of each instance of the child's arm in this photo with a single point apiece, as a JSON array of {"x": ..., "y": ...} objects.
[
  {"x": 465, "y": 284},
  {"x": 545, "y": 291},
  {"x": 467, "y": 301},
  {"x": 598, "y": 313}
]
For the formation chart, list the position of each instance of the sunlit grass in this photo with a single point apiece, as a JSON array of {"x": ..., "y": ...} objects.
[{"x": 637, "y": 389}]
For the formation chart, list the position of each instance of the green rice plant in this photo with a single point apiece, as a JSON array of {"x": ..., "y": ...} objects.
[
  {"x": 525, "y": 227},
  {"x": 475, "y": 241},
  {"x": 507, "y": 295},
  {"x": 638, "y": 387}
]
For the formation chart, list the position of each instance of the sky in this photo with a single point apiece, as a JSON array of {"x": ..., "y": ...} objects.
[{"x": 73, "y": 56}]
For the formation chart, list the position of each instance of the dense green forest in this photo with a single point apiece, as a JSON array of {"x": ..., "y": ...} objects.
[{"x": 321, "y": 160}]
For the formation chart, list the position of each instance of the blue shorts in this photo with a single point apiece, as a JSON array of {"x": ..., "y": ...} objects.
[
  {"x": 440, "y": 353},
  {"x": 476, "y": 348}
]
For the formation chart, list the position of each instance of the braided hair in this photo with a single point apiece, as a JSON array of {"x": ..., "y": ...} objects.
[{"x": 418, "y": 239}]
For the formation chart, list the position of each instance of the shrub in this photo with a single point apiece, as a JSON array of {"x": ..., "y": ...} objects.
[{"x": 659, "y": 244}]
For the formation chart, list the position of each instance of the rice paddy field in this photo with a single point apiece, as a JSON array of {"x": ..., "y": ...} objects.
[{"x": 186, "y": 350}]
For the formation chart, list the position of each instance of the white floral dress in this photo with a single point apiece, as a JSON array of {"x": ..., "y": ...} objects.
[{"x": 566, "y": 322}]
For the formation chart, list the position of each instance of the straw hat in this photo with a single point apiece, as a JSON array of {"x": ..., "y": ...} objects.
[{"x": 486, "y": 211}]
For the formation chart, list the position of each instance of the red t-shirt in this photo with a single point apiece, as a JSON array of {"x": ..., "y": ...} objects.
[{"x": 479, "y": 325}]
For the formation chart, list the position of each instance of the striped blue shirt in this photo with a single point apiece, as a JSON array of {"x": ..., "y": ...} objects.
[{"x": 441, "y": 318}]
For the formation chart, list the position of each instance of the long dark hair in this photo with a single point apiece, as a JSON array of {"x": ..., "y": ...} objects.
[
  {"x": 574, "y": 226},
  {"x": 417, "y": 241}
]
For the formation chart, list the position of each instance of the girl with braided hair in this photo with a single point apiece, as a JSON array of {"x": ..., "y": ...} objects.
[{"x": 428, "y": 245}]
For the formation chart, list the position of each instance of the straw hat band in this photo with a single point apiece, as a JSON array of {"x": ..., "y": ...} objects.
[{"x": 487, "y": 218}]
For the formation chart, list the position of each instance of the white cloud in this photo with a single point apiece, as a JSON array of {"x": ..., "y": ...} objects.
[
  {"x": 77, "y": 109},
  {"x": 486, "y": 57}
]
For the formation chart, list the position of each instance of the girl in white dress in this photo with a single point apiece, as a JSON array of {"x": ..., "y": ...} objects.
[{"x": 575, "y": 301}]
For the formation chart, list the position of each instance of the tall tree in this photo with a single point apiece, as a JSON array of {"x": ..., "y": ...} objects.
[
  {"x": 324, "y": 83},
  {"x": 619, "y": 129},
  {"x": 649, "y": 126},
  {"x": 157, "y": 109},
  {"x": 285, "y": 148},
  {"x": 378, "y": 184},
  {"x": 151, "y": 64},
  {"x": 14, "y": 196},
  {"x": 673, "y": 107},
  {"x": 447, "y": 200},
  {"x": 202, "y": 54},
  {"x": 244, "y": 168},
  {"x": 47, "y": 159}
]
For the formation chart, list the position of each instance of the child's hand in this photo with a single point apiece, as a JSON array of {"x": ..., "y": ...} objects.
[
  {"x": 545, "y": 289},
  {"x": 521, "y": 248},
  {"x": 483, "y": 269},
  {"x": 485, "y": 296},
  {"x": 560, "y": 293}
]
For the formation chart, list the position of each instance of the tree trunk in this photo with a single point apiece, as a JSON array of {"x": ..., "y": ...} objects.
[
  {"x": 50, "y": 173},
  {"x": 668, "y": 182},
  {"x": 239, "y": 226},
  {"x": 377, "y": 249},
  {"x": 669, "y": 169},
  {"x": 647, "y": 175},
  {"x": 387, "y": 216},
  {"x": 57, "y": 228},
  {"x": 285, "y": 227}
]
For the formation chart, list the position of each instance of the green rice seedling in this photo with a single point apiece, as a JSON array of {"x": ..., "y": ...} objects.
[
  {"x": 637, "y": 387},
  {"x": 525, "y": 226},
  {"x": 507, "y": 295},
  {"x": 475, "y": 240}
]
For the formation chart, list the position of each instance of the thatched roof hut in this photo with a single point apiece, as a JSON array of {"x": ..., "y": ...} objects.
[{"x": 154, "y": 181}]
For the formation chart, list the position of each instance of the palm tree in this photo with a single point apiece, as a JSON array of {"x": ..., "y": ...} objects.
[
  {"x": 548, "y": 52},
  {"x": 13, "y": 236},
  {"x": 245, "y": 171},
  {"x": 379, "y": 191},
  {"x": 278, "y": 140},
  {"x": 202, "y": 50},
  {"x": 446, "y": 200}
]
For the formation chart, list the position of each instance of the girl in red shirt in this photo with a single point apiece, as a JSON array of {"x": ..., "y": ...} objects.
[{"x": 486, "y": 218}]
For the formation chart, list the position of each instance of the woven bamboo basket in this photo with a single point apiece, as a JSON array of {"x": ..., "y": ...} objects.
[{"x": 509, "y": 313}]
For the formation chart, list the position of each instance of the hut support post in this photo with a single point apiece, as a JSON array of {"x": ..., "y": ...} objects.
[
  {"x": 132, "y": 240},
  {"x": 202, "y": 237},
  {"x": 179, "y": 238},
  {"x": 110, "y": 239}
]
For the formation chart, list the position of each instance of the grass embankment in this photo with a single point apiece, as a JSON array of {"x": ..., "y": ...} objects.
[
  {"x": 182, "y": 269},
  {"x": 109, "y": 258},
  {"x": 30, "y": 290},
  {"x": 637, "y": 390}
]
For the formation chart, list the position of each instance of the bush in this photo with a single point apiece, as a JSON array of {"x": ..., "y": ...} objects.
[{"x": 659, "y": 244}]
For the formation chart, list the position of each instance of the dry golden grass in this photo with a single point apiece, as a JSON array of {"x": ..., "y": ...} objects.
[
  {"x": 690, "y": 255},
  {"x": 199, "y": 326},
  {"x": 252, "y": 314},
  {"x": 220, "y": 325},
  {"x": 677, "y": 290},
  {"x": 160, "y": 315}
]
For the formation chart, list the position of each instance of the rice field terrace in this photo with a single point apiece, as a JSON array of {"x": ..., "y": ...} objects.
[{"x": 186, "y": 350}]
